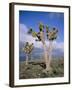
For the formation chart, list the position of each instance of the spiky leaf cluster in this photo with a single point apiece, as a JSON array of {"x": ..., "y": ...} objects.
[
  {"x": 52, "y": 35},
  {"x": 41, "y": 27},
  {"x": 28, "y": 48}
]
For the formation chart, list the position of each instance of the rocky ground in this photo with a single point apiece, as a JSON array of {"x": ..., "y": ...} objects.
[{"x": 37, "y": 70}]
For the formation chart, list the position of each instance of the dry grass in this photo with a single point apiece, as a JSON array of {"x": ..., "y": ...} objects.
[{"x": 35, "y": 69}]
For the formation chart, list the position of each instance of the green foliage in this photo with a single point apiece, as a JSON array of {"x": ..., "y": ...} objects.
[
  {"x": 28, "y": 48},
  {"x": 52, "y": 35},
  {"x": 34, "y": 34},
  {"x": 41, "y": 27}
]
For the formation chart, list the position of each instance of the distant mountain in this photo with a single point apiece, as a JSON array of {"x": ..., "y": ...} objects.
[
  {"x": 57, "y": 52},
  {"x": 21, "y": 45}
]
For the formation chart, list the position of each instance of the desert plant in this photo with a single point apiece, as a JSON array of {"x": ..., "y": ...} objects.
[
  {"x": 28, "y": 49},
  {"x": 51, "y": 36}
]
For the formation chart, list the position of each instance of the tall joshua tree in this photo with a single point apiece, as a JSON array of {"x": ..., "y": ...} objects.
[
  {"x": 28, "y": 49},
  {"x": 50, "y": 35},
  {"x": 41, "y": 28}
]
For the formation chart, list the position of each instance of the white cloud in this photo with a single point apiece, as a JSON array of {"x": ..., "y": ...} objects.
[
  {"x": 23, "y": 28},
  {"x": 58, "y": 45},
  {"x": 24, "y": 37}
]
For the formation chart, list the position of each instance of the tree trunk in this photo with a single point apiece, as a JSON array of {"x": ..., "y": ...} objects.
[
  {"x": 50, "y": 53},
  {"x": 47, "y": 61},
  {"x": 27, "y": 59},
  {"x": 46, "y": 58}
]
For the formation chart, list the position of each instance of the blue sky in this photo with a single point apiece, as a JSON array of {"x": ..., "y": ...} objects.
[{"x": 52, "y": 19}]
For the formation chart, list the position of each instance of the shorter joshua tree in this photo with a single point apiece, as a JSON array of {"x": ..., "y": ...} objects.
[{"x": 28, "y": 49}]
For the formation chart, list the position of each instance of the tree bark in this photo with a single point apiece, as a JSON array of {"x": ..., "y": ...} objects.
[
  {"x": 50, "y": 53},
  {"x": 46, "y": 56},
  {"x": 27, "y": 59}
]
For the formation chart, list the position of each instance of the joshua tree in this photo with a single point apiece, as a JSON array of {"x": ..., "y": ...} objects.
[
  {"x": 51, "y": 35},
  {"x": 28, "y": 49}
]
